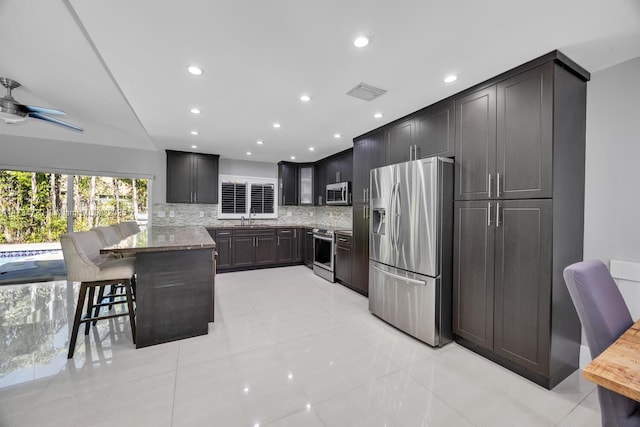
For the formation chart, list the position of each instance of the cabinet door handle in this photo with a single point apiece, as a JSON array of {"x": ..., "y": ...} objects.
[
  {"x": 195, "y": 197},
  {"x": 489, "y": 179},
  {"x": 340, "y": 239},
  {"x": 498, "y": 184},
  {"x": 229, "y": 243},
  {"x": 278, "y": 240},
  {"x": 498, "y": 214},
  {"x": 410, "y": 152},
  {"x": 489, "y": 214},
  {"x": 415, "y": 151},
  {"x": 364, "y": 194},
  {"x": 295, "y": 234},
  {"x": 364, "y": 212}
]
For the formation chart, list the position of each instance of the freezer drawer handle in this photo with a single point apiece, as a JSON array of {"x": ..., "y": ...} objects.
[{"x": 405, "y": 279}]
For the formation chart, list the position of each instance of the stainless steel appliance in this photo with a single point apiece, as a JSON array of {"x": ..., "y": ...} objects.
[
  {"x": 339, "y": 193},
  {"x": 410, "y": 266},
  {"x": 324, "y": 253}
]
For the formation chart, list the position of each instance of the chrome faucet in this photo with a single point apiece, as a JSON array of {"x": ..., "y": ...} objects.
[
  {"x": 242, "y": 221},
  {"x": 251, "y": 212}
]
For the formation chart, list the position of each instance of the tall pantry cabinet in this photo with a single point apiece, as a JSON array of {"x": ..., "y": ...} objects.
[{"x": 519, "y": 210}]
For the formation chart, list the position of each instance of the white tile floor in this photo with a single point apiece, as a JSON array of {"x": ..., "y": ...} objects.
[{"x": 287, "y": 349}]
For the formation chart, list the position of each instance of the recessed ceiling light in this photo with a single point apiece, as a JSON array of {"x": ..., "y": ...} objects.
[
  {"x": 195, "y": 110},
  {"x": 194, "y": 146},
  {"x": 305, "y": 98},
  {"x": 361, "y": 41},
  {"x": 194, "y": 132},
  {"x": 259, "y": 142},
  {"x": 337, "y": 136},
  {"x": 293, "y": 157},
  {"x": 276, "y": 125},
  {"x": 377, "y": 115},
  {"x": 311, "y": 148},
  {"x": 195, "y": 70},
  {"x": 450, "y": 78},
  {"x": 248, "y": 153}
]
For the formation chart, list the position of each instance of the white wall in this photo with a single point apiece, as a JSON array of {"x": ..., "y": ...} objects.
[
  {"x": 248, "y": 168},
  {"x": 612, "y": 187},
  {"x": 34, "y": 154}
]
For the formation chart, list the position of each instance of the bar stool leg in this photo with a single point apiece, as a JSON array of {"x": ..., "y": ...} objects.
[
  {"x": 132, "y": 320},
  {"x": 100, "y": 298},
  {"x": 92, "y": 294},
  {"x": 76, "y": 320}
]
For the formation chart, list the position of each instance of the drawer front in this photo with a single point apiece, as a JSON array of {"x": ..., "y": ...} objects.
[
  {"x": 223, "y": 233},
  {"x": 288, "y": 232},
  {"x": 252, "y": 232},
  {"x": 343, "y": 240}
]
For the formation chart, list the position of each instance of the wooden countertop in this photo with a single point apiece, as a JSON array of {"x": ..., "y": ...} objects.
[
  {"x": 618, "y": 367},
  {"x": 162, "y": 239}
]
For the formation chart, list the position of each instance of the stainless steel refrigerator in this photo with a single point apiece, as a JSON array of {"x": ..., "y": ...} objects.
[{"x": 410, "y": 266}]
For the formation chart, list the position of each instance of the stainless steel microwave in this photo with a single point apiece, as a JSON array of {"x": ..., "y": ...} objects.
[{"x": 339, "y": 193}]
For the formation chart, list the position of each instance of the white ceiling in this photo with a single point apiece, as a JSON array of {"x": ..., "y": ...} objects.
[{"x": 118, "y": 67}]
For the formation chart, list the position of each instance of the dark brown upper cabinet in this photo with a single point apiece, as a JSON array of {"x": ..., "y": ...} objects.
[
  {"x": 504, "y": 138},
  {"x": 192, "y": 177},
  {"x": 399, "y": 142},
  {"x": 368, "y": 153},
  {"x": 475, "y": 145},
  {"x": 434, "y": 130},
  {"x": 525, "y": 135},
  {"x": 288, "y": 183}
]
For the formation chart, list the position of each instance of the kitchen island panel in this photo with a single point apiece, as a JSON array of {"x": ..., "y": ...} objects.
[{"x": 174, "y": 293}]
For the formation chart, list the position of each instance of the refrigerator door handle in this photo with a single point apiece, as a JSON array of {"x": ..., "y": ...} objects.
[
  {"x": 498, "y": 214},
  {"x": 489, "y": 214},
  {"x": 397, "y": 276},
  {"x": 398, "y": 214}
]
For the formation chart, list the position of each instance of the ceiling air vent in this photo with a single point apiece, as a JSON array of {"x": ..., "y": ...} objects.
[{"x": 366, "y": 92}]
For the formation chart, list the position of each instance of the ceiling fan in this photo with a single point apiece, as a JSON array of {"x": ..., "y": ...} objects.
[{"x": 11, "y": 111}]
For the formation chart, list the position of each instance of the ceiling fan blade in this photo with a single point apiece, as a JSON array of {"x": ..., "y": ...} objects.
[
  {"x": 34, "y": 109},
  {"x": 56, "y": 121}
]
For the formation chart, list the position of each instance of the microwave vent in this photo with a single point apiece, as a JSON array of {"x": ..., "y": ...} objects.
[{"x": 366, "y": 92}]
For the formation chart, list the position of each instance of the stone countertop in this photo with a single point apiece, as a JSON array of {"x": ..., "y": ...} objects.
[
  {"x": 335, "y": 228},
  {"x": 162, "y": 239}
]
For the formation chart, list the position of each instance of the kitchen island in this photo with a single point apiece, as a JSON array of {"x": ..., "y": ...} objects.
[{"x": 175, "y": 277}]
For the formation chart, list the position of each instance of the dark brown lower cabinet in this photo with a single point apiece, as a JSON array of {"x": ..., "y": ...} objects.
[
  {"x": 223, "y": 239},
  {"x": 505, "y": 298},
  {"x": 288, "y": 248},
  {"x": 244, "y": 251},
  {"x": 360, "y": 249},
  {"x": 307, "y": 246},
  {"x": 256, "y": 247},
  {"x": 343, "y": 264},
  {"x": 266, "y": 249}
]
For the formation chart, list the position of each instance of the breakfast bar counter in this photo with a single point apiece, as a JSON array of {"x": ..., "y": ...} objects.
[{"x": 175, "y": 277}]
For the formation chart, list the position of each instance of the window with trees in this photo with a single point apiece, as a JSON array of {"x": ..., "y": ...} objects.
[{"x": 34, "y": 205}]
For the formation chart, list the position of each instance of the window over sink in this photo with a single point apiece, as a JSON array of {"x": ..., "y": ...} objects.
[{"x": 240, "y": 195}]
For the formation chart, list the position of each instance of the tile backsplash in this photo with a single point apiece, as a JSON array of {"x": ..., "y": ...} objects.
[{"x": 176, "y": 214}]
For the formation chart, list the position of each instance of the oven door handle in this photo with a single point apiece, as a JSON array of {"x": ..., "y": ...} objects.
[{"x": 327, "y": 239}]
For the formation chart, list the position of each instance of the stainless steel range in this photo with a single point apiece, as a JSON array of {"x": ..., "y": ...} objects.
[{"x": 324, "y": 253}]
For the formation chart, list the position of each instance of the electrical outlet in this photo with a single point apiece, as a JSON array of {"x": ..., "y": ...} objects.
[
  {"x": 289, "y": 213},
  {"x": 161, "y": 214},
  {"x": 201, "y": 214},
  {"x": 330, "y": 214},
  {"x": 172, "y": 214},
  {"x": 310, "y": 213}
]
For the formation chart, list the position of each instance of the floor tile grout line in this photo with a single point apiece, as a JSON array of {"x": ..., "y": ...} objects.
[{"x": 175, "y": 384}]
